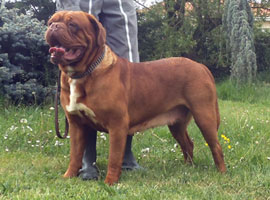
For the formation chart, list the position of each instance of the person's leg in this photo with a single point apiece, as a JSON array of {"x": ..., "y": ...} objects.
[
  {"x": 93, "y": 7},
  {"x": 129, "y": 162},
  {"x": 89, "y": 170},
  {"x": 120, "y": 21},
  {"x": 67, "y": 5}
]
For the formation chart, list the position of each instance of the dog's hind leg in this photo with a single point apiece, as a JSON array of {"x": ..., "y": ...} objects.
[
  {"x": 207, "y": 119},
  {"x": 179, "y": 132}
]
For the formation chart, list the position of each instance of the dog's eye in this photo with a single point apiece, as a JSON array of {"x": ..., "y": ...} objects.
[
  {"x": 72, "y": 24},
  {"x": 73, "y": 27}
]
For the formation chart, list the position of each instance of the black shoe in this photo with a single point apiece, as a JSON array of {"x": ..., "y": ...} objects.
[
  {"x": 90, "y": 172},
  {"x": 129, "y": 162}
]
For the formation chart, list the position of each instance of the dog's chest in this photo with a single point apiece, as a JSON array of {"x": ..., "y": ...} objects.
[{"x": 76, "y": 108}]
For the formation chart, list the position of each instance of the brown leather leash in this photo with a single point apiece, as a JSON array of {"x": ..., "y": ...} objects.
[
  {"x": 89, "y": 70},
  {"x": 56, "y": 101}
]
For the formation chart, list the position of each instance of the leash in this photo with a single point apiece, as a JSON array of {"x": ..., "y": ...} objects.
[{"x": 56, "y": 100}]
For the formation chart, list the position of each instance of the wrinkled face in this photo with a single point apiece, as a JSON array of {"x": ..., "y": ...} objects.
[{"x": 71, "y": 35}]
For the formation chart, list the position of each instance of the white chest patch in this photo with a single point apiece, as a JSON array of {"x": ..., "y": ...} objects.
[{"x": 75, "y": 108}]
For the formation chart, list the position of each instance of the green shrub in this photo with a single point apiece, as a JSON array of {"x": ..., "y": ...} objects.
[
  {"x": 238, "y": 26},
  {"x": 262, "y": 46},
  {"x": 26, "y": 75},
  {"x": 159, "y": 39}
]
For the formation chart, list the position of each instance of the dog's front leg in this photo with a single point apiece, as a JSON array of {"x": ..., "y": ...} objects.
[
  {"x": 118, "y": 137},
  {"x": 77, "y": 146}
]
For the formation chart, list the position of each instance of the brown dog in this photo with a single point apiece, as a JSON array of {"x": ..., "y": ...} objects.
[{"x": 105, "y": 92}]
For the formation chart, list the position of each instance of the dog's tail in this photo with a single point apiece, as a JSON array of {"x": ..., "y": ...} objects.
[
  {"x": 217, "y": 109},
  {"x": 217, "y": 114}
]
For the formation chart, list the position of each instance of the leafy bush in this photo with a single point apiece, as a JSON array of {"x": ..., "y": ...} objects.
[
  {"x": 238, "y": 26},
  {"x": 163, "y": 33},
  {"x": 196, "y": 33},
  {"x": 158, "y": 39},
  {"x": 26, "y": 75},
  {"x": 262, "y": 46},
  {"x": 149, "y": 33}
]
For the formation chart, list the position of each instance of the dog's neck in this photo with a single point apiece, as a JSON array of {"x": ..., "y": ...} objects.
[
  {"x": 73, "y": 71},
  {"x": 101, "y": 61},
  {"x": 90, "y": 68}
]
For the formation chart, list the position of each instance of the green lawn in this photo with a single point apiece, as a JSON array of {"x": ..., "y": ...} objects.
[{"x": 33, "y": 160}]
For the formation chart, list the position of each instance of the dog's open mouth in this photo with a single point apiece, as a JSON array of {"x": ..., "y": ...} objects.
[
  {"x": 64, "y": 54},
  {"x": 60, "y": 54}
]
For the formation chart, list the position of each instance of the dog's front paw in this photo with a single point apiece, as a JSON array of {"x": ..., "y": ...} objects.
[
  {"x": 70, "y": 174},
  {"x": 110, "y": 180}
]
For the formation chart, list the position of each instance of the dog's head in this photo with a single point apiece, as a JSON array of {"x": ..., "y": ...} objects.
[{"x": 75, "y": 39}]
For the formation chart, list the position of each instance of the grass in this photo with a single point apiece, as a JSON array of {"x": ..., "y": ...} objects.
[{"x": 32, "y": 159}]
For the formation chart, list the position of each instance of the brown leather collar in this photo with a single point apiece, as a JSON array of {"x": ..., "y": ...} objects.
[{"x": 91, "y": 68}]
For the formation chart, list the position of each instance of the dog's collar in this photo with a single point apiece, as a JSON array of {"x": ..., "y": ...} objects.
[{"x": 91, "y": 68}]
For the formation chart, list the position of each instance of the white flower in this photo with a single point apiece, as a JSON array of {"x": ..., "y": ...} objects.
[
  {"x": 103, "y": 136},
  {"x": 13, "y": 128},
  {"x": 57, "y": 143},
  {"x": 146, "y": 150},
  {"x": 119, "y": 186},
  {"x": 175, "y": 145},
  {"x": 51, "y": 108},
  {"x": 7, "y": 150},
  {"x": 23, "y": 121},
  {"x": 29, "y": 128},
  {"x": 173, "y": 150}
]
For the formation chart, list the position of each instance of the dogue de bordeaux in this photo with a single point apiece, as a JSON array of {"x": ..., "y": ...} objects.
[{"x": 102, "y": 91}]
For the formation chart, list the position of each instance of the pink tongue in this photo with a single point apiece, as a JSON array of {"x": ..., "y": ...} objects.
[
  {"x": 60, "y": 51},
  {"x": 72, "y": 54},
  {"x": 57, "y": 51}
]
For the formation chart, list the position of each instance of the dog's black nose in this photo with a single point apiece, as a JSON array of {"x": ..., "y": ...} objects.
[{"x": 55, "y": 26}]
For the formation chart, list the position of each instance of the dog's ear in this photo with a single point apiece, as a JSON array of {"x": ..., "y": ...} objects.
[{"x": 100, "y": 31}]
